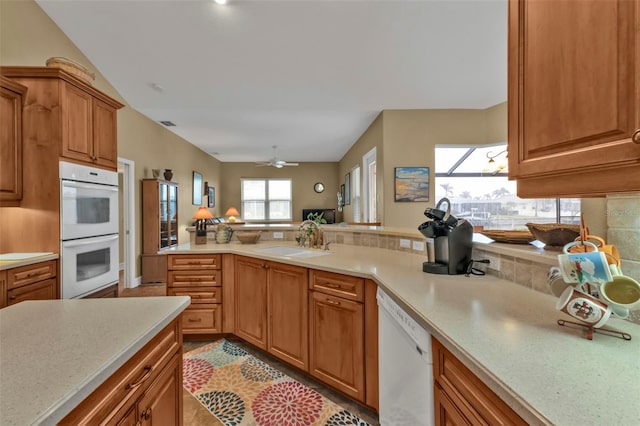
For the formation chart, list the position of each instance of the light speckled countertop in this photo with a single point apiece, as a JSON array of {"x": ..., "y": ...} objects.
[
  {"x": 8, "y": 264},
  {"x": 54, "y": 353},
  {"x": 505, "y": 333}
]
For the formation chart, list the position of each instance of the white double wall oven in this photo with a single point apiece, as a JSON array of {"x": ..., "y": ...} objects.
[{"x": 89, "y": 248}]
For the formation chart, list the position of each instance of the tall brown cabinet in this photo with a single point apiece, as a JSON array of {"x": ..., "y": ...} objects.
[
  {"x": 159, "y": 226},
  {"x": 11, "y": 100}
]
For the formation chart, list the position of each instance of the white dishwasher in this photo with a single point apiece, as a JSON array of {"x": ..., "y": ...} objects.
[{"x": 405, "y": 367}]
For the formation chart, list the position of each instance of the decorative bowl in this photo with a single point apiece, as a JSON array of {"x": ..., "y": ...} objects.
[
  {"x": 554, "y": 234},
  {"x": 72, "y": 67},
  {"x": 248, "y": 237},
  {"x": 510, "y": 237}
]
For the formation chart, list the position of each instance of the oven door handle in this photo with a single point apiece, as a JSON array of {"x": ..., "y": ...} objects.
[
  {"x": 89, "y": 241},
  {"x": 81, "y": 185}
]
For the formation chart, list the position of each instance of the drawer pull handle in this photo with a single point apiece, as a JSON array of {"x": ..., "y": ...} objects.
[
  {"x": 333, "y": 285},
  {"x": 195, "y": 320},
  {"x": 636, "y": 137},
  {"x": 145, "y": 376},
  {"x": 146, "y": 415},
  {"x": 12, "y": 297},
  {"x": 333, "y": 302}
]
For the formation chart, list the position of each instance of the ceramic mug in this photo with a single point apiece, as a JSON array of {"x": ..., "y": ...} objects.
[
  {"x": 584, "y": 307},
  {"x": 581, "y": 268},
  {"x": 621, "y": 290},
  {"x": 610, "y": 250}
]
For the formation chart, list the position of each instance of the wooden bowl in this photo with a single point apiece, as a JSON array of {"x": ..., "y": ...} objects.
[
  {"x": 248, "y": 237},
  {"x": 554, "y": 234},
  {"x": 509, "y": 237}
]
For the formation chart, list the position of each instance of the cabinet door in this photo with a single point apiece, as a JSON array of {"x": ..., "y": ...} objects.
[
  {"x": 337, "y": 342},
  {"x": 574, "y": 96},
  {"x": 446, "y": 413},
  {"x": 105, "y": 134},
  {"x": 77, "y": 119},
  {"x": 288, "y": 314},
  {"x": 3, "y": 289},
  {"x": 162, "y": 403},
  {"x": 130, "y": 419},
  {"x": 10, "y": 140},
  {"x": 251, "y": 301}
]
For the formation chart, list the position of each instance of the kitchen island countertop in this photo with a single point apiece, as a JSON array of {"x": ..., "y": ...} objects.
[
  {"x": 505, "y": 333},
  {"x": 54, "y": 353}
]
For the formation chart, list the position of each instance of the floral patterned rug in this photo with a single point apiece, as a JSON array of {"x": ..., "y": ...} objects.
[{"x": 239, "y": 389}]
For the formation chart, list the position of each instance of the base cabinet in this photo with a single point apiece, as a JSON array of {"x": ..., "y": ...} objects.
[
  {"x": 336, "y": 332},
  {"x": 461, "y": 398},
  {"x": 37, "y": 281},
  {"x": 146, "y": 390},
  {"x": 198, "y": 276},
  {"x": 271, "y": 308}
]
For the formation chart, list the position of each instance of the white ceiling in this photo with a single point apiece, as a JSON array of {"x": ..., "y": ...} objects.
[{"x": 306, "y": 75}]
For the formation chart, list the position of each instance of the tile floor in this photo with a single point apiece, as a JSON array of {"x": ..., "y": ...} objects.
[{"x": 195, "y": 414}]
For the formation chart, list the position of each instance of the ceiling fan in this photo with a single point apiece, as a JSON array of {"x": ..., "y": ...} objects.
[{"x": 274, "y": 162}]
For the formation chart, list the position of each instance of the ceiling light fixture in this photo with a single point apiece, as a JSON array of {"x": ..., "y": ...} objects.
[{"x": 221, "y": 1}]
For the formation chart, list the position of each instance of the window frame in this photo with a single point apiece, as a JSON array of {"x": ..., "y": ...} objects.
[{"x": 267, "y": 200}]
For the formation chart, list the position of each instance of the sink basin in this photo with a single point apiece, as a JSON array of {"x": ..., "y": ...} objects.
[{"x": 292, "y": 252}]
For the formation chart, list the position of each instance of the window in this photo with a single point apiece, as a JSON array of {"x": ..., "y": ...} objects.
[
  {"x": 266, "y": 199},
  {"x": 369, "y": 194},
  {"x": 480, "y": 192}
]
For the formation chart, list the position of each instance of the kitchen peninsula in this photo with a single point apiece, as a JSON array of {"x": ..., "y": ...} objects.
[
  {"x": 55, "y": 354},
  {"x": 504, "y": 333}
]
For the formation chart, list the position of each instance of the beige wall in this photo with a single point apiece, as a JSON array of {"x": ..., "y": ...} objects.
[
  {"x": 303, "y": 178},
  {"x": 410, "y": 138},
  {"x": 29, "y": 37},
  {"x": 371, "y": 138}
]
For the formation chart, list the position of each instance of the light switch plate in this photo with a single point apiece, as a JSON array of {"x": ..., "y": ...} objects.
[
  {"x": 405, "y": 243},
  {"x": 278, "y": 235}
]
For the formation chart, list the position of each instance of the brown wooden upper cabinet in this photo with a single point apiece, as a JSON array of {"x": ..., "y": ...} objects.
[
  {"x": 66, "y": 109},
  {"x": 574, "y": 97},
  {"x": 11, "y": 101}
]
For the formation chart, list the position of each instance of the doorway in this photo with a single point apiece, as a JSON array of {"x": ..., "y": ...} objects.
[
  {"x": 369, "y": 190},
  {"x": 126, "y": 183}
]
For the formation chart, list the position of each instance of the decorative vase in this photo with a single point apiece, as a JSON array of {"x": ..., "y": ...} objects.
[
  {"x": 168, "y": 174},
  {"x": 156, "y": 173}
]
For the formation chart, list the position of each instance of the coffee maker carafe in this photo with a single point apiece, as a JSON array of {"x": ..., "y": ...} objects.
[{"x": 449, "y": 241}]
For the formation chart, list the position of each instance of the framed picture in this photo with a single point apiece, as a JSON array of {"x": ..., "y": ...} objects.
[
  {"x": 211, "y": 197},
  {"x": 342, "y": 189},
  {"x": 411, "y": 184},
  {"x": 347, "y": 188},
  {"x": 197, "y": 189}
]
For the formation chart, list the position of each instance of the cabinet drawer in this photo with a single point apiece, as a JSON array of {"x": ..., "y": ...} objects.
[
  {"x": 31, "y": 273},
  {"x": 337, "y": 284},
  {"x": 198, "y": 294},
  {"x": 202, "y": 319},
  {"x": 120, "y": 391},
  {"x": 194, "y": 261},
  {"x": 198, "y": 278},
  {"x": 473, "y": 398},
  {"x": 43, "y": 290}
]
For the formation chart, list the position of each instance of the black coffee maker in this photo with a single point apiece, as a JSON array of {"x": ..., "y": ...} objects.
[{"x": 449, "y": 241}]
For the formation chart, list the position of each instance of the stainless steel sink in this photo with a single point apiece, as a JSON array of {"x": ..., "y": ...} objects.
[{"x": 292, "y": 252}]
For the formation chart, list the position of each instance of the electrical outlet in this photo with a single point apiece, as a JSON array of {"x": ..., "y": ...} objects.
[
  {"x": 418, "y": 245},
  {"x": 494, "y": 262},
  {"x": 405, "y": 243},
  {"x": 278, "y": 235}
]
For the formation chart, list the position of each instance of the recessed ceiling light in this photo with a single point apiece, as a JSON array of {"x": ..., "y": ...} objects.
[{"x": 221, "y": 1}]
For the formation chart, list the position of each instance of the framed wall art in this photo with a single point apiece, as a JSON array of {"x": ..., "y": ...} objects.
[
  {"x": 411, "y": 184},
  {"x": 211, "y": 197},
  {"x": 197, "y": 188}
]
